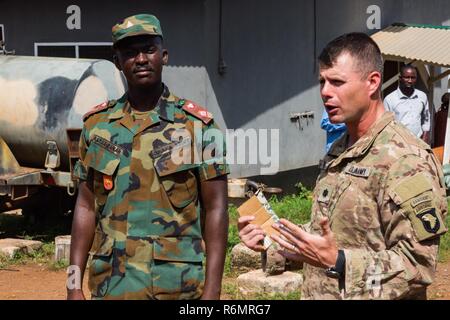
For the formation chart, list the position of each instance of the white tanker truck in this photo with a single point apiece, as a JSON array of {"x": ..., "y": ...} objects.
[{"x": 42, "y": 101}]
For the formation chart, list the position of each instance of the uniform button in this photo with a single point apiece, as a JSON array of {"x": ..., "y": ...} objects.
[{"x": 361, "y": 284}]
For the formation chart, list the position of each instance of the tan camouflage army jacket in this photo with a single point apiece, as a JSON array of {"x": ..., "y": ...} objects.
[
  {"x": 148, "y": 239},
  {"x": 385, "y": 199}
]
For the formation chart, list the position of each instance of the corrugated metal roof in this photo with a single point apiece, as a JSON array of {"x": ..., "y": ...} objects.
[{"x": 430, "y": 44}]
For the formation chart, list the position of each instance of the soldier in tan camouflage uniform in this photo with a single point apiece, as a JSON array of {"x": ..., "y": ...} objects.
[
  {"x": 139, "y": 205},
  {"x": 379, "y": 204}
]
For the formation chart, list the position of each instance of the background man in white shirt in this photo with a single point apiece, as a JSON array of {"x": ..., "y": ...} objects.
[{"x": 410, "y": 105}]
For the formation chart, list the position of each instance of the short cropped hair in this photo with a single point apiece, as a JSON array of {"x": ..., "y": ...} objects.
[
  {"x": 360, "y": 46},
  {"x": 407, "y": 67}
]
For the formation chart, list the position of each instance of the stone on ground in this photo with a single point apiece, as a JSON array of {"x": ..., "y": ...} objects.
[
  {"x": 273, "y": 263},
  {"x": 9, "y": 247},
  {"x": 244, "y": 259},
  {"x": 256, "y": 282}
]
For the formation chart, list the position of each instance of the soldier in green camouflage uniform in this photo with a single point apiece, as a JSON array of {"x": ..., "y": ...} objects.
[
  {"x": 139, "y": 206},
  {"x": 379, "y": 204}
]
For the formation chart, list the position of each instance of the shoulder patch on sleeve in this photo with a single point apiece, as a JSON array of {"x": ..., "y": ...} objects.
[
  {"x": 410, "y": 188},
  {"x": 415, "y": 197},
  {"x": 427, "y": 223},
  {"x": 197, "y": 111},
  {"x": 98, "y": 108},
  {"x": 430, "y": 221}
]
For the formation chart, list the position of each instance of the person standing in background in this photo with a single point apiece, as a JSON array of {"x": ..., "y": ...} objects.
[{"x": 410, "y": 105}]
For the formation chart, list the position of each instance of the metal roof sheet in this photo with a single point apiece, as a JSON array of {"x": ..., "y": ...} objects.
[{"x": 429, "y": 44}]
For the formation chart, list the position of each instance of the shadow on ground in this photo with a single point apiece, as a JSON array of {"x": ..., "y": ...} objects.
[{"x": 15, "y": 225}]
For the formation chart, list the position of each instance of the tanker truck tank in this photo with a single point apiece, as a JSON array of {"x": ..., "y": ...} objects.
[
  {"x": 42, "y": 101},
  {"x": 42, "y": 97}
]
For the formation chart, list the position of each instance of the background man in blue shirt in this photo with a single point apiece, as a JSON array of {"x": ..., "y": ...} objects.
[{"x": 334, "y": 130}]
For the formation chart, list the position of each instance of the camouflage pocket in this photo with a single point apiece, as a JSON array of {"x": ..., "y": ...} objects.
[
  {"x": 100, "y": 268},
  {"x": 181, "y": 187},
  {"x": 101, "y": 159},
  {"x": 104, "y": 163},
  {"x": 177, "y": 268}
]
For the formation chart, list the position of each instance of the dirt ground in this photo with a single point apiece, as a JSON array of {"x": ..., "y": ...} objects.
[
  {"x": 440, "y": 289},
  {"x": 33, "y": 282},
  {"x": 36, "y": 282}
]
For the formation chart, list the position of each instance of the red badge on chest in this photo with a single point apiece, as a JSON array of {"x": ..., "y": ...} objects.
[{"x": 108, "y": 182}]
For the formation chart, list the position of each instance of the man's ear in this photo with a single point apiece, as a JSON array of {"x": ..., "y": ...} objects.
[
  {"x": 165, "y": 56},
  {"x": 374, "y": 82}
]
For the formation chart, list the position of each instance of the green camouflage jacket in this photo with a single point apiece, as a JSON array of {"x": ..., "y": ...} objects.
[
  {"x": 146, "y": 175},
  {"x": 386, "y": 203}
]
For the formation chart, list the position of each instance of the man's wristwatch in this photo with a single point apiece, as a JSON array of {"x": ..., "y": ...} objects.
[{"x": 338, "y": 270}]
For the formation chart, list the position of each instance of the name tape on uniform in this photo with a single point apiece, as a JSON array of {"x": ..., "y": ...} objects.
[
  {"x": 108, "y": 145},
  {"x": 363, "y": 172}
]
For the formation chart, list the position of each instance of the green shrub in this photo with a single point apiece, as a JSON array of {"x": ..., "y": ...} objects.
[
  {"x": 444, "y": 247},
  {"x": 59, "y": 265},
  {"x": 233, "y": 237},
  {"x": 233, "y": 234},
  {"x": 295, "y": 208}
]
